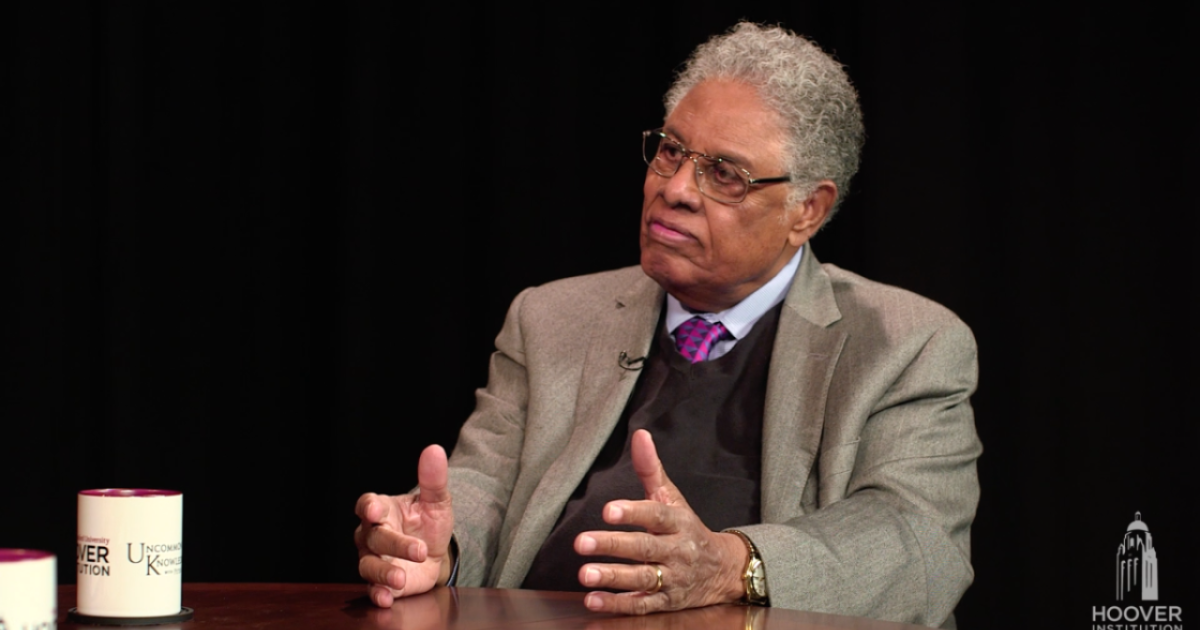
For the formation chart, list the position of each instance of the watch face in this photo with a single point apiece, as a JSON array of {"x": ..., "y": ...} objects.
[
  {"x": 758, "y": 579},
  {"x": 759, "y": 583}
]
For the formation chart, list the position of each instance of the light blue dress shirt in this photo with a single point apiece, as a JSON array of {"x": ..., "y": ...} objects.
[{"x": 741, "y": 317}]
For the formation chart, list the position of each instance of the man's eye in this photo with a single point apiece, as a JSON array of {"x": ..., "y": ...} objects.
[
  {"x": 725, "y": 174},
  {"x": 669, "y": 151}
]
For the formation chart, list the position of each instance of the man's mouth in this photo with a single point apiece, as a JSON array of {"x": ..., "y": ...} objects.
[{"x": 670, "y": 233}]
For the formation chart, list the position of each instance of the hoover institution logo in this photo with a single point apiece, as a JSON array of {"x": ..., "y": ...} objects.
[
  {"x": 1137, "y": 564},
  {"x": 1137, "y": 582}
]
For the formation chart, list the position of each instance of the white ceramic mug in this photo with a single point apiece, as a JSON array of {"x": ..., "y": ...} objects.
[
  {"x": 28, "y": 590},
  {"x": 129, "y": 553}
]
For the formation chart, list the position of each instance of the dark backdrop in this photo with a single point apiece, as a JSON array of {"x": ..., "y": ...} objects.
[{"x": 259, "y": 252}]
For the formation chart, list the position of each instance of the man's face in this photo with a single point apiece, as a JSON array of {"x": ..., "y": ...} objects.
[{"x": 711, "y": 255}]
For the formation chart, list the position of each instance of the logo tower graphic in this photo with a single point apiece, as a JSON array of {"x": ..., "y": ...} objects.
[{"x": 1137, "y": 564}]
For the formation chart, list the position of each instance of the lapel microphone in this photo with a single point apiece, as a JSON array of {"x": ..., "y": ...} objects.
[{"x": 632, "y": 365}]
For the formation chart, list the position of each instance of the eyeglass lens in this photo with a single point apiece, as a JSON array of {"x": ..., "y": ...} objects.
[{"x": 717, "y": 178}]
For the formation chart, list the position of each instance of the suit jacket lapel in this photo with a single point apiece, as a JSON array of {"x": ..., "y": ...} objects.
[
  {"x": 802, "y": 362},
  {"x": 605, "y": 387}
]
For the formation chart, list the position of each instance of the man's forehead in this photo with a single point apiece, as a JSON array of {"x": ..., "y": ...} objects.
[{"x": 728, "y": 119}]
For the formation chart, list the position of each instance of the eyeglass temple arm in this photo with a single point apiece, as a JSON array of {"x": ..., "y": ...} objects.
[{"x": 770, "y": 180}]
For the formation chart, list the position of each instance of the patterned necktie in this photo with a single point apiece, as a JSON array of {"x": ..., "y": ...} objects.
[{"x": 696, "y": 337}]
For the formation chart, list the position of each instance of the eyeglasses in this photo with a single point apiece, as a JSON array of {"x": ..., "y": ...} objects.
[{"x": 717, "y": 178}]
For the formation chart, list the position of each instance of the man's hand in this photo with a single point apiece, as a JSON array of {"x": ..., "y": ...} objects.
[
  {"x": 699, "y": 567},
  {"x": 403, "y": 541}
]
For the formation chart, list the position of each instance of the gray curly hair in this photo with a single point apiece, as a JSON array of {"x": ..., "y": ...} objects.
[{"x": 806, "y": 87}]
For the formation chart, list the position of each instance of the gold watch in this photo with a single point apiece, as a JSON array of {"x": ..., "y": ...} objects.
[{"x": 754, "y": 578}]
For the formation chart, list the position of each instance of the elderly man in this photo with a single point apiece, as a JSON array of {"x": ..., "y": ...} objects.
[{"x": 730, "y": 421}]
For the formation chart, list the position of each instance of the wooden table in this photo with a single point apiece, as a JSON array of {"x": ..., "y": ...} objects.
[{"x": 345, "y": 607}]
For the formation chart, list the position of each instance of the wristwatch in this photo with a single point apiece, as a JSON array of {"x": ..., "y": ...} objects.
[{"x": 754, "y": 578}]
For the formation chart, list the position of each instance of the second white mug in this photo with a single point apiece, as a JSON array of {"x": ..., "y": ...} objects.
[{"x": 28, "y": 589}]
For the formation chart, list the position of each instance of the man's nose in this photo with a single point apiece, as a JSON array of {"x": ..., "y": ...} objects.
[{"x": 681, "y": 189}]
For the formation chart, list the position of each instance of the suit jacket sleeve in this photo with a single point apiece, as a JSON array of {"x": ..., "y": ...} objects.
[
  {"x": 887, "y": 534},
  {"x": 486, "y": 458}
]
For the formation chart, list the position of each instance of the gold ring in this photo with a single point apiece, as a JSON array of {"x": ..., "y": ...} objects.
[{"x": 658, "y": 585}]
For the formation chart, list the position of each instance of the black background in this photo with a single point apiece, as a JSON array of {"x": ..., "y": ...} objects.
[{"x": 259, "y": 252}]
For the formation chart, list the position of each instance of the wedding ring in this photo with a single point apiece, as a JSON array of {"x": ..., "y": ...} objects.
[{"x": 658, "y": 585}]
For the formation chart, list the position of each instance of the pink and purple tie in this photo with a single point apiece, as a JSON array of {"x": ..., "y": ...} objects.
[{"x": 695, "y": 338}]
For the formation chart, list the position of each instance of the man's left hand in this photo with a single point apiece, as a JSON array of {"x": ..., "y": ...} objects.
[{"x": 699, "y": 567}]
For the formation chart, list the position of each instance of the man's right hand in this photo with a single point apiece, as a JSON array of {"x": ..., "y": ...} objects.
[{"x": 404, "y": 541}]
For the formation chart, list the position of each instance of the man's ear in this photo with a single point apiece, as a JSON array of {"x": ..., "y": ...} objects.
[{"x": 810, "y": 214}]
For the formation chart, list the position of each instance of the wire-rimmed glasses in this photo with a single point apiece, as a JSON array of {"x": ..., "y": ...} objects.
[{"x": 717, "y": 178}]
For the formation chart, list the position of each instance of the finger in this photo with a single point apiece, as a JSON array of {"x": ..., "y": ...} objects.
[
  {"x": 433, "y": 475},
  {"x": 621, "y": 577},
  {"x": 637, "y": 546},
  {"x": 381, "y": 596},
  {"x": 626, "y": 603},
  {"x": 650, "y": 469},
  {"x": 655, "y": 517},
  {"x": 371, "y": 508},
  {"x": 380, "y": 572},
  {"x": 383, "y": 541},
  {"x": 360, "y": 540}
]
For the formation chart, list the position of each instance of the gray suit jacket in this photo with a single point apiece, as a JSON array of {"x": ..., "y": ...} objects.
[{"x": 869, "y": 484}]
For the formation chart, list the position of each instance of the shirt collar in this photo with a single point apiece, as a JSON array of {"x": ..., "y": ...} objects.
[{"x": 741, "y": 317}]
